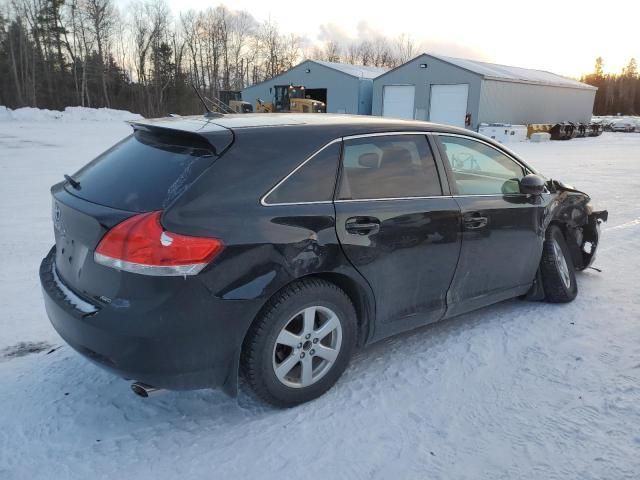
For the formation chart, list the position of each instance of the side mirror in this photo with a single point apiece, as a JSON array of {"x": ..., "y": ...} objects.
[{"x": 532, "y": 184}]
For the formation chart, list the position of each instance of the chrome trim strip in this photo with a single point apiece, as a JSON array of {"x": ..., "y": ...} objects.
[
  {"x": 431, "y": 197},
  {"x": 388, "y": 199},
  {"x": 287, "y": 204},
  {"x": 385, "y": 134},
  {"x": 263, "y": 201},
  {"x": 492, "y": 195}
]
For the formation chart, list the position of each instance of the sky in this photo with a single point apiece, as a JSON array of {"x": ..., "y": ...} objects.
[{"x": 563, "y": 36}]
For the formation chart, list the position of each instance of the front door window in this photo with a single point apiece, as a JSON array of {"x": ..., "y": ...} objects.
[{"x": 479, "y": 169}]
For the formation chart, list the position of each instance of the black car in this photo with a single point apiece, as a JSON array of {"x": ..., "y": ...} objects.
[{"x": 201, "y": 248}]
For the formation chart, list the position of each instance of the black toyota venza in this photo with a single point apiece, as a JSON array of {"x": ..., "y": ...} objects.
[{"x": 201, "y": 248}]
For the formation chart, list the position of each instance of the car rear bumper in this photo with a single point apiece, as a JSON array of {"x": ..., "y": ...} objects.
[{"x": 191, "y": 340}]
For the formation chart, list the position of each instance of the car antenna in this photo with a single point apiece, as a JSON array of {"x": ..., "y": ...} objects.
[
  {"x": 72, "y": 181},
  {"x": 209, "y": 113}
]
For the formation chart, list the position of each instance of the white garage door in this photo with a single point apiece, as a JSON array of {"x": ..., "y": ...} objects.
[
  {"x": 397, "y": 101},
  {"x": 448, "y": 104}
]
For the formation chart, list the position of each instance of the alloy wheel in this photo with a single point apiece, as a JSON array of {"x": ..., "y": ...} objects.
[
  {"x": 561, "y": 262},
  {"x": 307, "y": 346}
]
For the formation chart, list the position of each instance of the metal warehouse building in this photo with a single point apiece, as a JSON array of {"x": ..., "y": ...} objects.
[
  {"x": 466, "y": 93},
  {"x": 344, "y": 88}
]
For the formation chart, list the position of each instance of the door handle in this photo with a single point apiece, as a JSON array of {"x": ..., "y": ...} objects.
[
  {"x": 362, "y": 225},
  {"x": 474, "y": 220}
]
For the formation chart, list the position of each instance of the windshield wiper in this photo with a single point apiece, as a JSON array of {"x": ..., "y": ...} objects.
[{"x": 74, "y": 183}]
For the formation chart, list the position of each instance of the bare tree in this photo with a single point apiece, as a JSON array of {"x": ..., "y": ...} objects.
[
  {"x": 242, "y": 27},
  {"x": 353, "y": 53},
  {"x": 332, "y": 51},
  {"x": 406, "y": 48},
  {"x": 14, "y": 53},
  {"x": 100, "y": 19},
  {"x": 58, "y": 52},
  {"x": 271, "y": 48}
]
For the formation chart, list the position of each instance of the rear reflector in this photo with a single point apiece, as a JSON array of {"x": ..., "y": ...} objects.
[{"x": 141, "y": 245}]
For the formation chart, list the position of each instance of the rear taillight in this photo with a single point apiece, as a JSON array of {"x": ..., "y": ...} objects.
[{"x": 141, "y": 245}]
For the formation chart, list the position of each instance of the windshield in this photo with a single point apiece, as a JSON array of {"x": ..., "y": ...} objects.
[{"x": 296, "y": 92}]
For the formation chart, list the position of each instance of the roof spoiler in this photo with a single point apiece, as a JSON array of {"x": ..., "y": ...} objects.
[{"x": 217, "y": 137}]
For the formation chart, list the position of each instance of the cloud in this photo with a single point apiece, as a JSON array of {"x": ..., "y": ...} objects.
[
  {"x": 452, "y": 49},
  {"x": 366, "y": 31},
  {"x": 330, "y": 32}
]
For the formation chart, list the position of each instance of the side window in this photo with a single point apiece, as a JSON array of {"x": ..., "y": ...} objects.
[
  {"x": 314, "y": 181},
  {"x": 394, "y": 166},
  {"x": 479, "y": 169}
]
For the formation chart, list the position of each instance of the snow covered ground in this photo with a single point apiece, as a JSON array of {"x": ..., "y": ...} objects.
[{"x": 516, "y": 391}]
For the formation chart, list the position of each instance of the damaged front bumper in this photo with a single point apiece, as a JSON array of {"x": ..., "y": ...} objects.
[{"x": 591, "y": 236}]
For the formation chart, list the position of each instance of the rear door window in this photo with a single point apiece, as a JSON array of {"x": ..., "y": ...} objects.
[
  {"x": 394, "y": 166},
  {"x": 313, "y": 181},
  {"x": 144, "y": 172}
]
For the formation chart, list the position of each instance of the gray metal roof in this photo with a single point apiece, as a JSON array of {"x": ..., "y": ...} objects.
[
  {"x": 360, "y": 71},
  {"x": 493, "y": 71}
]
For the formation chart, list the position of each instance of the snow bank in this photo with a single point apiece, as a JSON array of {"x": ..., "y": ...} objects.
[
  {"x": 70, "y": 114},
  {"x": 99, "y": 114}
]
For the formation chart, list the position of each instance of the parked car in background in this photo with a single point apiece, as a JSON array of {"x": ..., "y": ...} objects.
[
  {"x": 273, "y": 245},
  {"x": 623, "y": 127}
]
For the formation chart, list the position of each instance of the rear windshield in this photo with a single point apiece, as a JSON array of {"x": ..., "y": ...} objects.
[{"x": 142, "y": 173}]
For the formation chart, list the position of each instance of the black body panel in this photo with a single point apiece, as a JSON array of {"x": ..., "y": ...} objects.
[
  {"x": 78, "y": 227},
  {"x": 179, "y": 337},
  {"x": 404, "y": 262},
  {"x": 502, "y": 239},
  {"x": 409, "y": 260}
]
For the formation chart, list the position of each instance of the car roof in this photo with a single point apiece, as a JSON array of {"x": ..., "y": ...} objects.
[
  {"x": 327, "y": 125},
  {"x": 347, "y": 124}
]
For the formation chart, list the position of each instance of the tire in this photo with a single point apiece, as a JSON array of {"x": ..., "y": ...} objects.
[
  {"x": 557, "y": 268},
  {"x": 281, "y": 356}
]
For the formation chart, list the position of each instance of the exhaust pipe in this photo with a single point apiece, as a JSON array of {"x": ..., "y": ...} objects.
[{"x": 145, "y": 391}]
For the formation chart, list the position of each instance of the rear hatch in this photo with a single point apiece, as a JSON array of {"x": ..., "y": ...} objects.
[{"x": 145, "y": 172}]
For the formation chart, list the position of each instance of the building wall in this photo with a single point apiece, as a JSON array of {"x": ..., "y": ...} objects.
[
  {"x": 343, "y": 91},
  {"x": 365, "y": 96},
  {"x": 521, "y": 103},
  {"x": 436, "y": 73}
]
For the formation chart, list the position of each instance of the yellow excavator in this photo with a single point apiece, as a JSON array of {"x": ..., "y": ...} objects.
[
  {"x": 233, "y": 100},
  {"x": 290, "y": 98}
]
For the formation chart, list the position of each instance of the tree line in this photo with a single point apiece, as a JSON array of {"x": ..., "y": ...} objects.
[
  {"x": 55, "y": 53},
  {"x": 617, "y": 93}
]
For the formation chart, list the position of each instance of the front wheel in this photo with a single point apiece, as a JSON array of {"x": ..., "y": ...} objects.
[
  {"x": 556, "y": 266},
  {"x": 301, "y": 343}
]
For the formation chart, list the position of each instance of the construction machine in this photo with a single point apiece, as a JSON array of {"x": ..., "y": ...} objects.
[
  {"x": 290, "y": 98},
  {"x": 233, "y": 99}
]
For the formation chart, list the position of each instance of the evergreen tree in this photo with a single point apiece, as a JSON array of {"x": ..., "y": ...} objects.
[{"x": 617, "y": 94}]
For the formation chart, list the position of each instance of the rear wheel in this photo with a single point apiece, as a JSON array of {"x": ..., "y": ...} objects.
[
  {"x": 558, "y": 271},
  {"x": 301, "y": 343}
]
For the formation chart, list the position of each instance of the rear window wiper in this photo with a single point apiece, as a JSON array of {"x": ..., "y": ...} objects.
[{"x": 73, "y": 182}]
